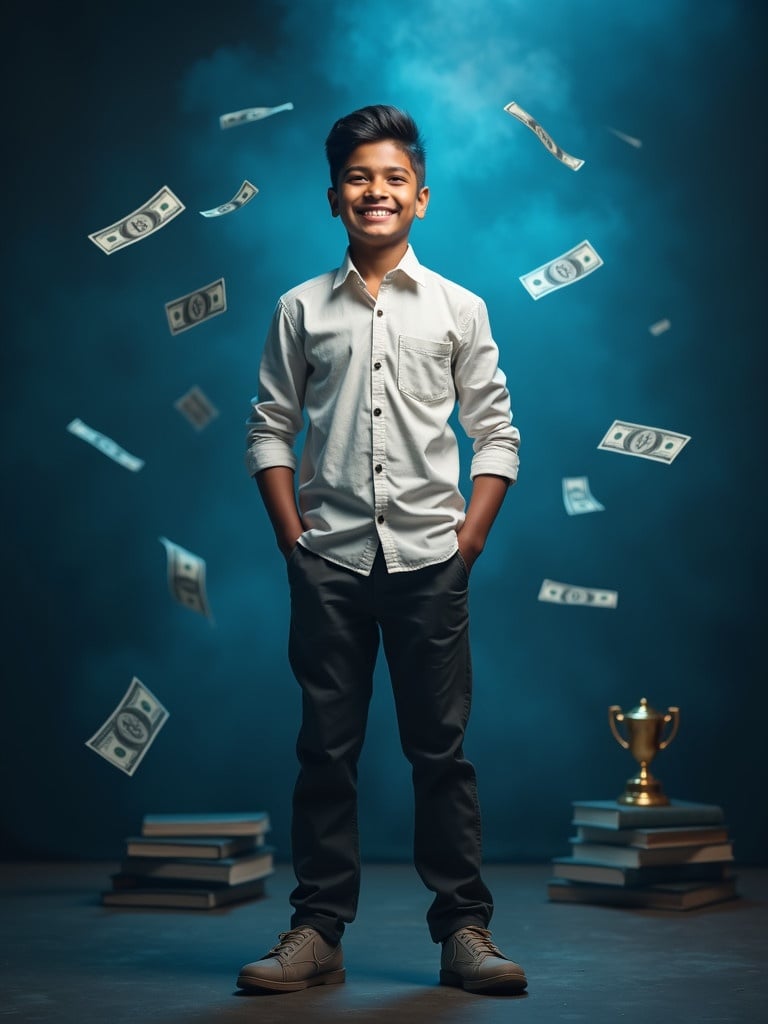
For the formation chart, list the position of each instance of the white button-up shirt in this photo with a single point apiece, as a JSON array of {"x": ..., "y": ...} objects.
[{"x": 378, "y": 379}]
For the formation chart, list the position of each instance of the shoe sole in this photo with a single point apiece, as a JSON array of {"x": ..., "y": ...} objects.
[
  {"x": 503, "y": 984},
  {"x": 329, "y": 978}
]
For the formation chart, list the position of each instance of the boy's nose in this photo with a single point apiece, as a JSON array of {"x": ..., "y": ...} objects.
[{"x": 376, "y": 189}]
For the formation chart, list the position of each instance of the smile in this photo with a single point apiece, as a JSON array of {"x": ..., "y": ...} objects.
[{"x": 378, "y": 212}]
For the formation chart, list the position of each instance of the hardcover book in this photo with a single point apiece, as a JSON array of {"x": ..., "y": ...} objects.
[
  {"x": 228, "y": 870},
  {"x": 206, "y": 847},
  {"x": 611, "y": 814},
  {"x": 651, "y": 874},
  {"x": 664, "y": 896},
  {"x": 130, "y": 891},
  {"x": 635, "y": 857},
  {"x": 654, "y": 838},
  {"x": 248, "y": 823}
]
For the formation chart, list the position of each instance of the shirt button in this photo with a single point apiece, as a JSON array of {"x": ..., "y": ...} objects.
[
  {"x": 378, "y": 468},
  {"x": 379, "y": 519},
  {"x": 377, "y": 366},
  {"x": 379, "y": 312},
  {"x": 377, "y": 412}
]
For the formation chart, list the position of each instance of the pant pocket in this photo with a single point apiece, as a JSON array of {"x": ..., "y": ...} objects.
[{"x": 463, "y": 564}]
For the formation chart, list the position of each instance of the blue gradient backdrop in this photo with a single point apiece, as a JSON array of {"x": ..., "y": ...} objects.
[{"x": 105, "y": 105}]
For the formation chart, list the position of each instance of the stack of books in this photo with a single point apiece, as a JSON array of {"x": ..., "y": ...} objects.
[
  {"x": 675, "y": 857},
  {"x": 198, "y": 861}
]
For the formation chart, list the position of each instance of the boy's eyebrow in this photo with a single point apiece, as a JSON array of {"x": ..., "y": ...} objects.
[{"x": 387, "y": 170}]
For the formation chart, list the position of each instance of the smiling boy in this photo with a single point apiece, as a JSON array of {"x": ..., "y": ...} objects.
[{"x": 381, "y": 545}]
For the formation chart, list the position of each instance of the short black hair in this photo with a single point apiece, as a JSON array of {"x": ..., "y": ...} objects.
[{"x": 375, "y": 124}]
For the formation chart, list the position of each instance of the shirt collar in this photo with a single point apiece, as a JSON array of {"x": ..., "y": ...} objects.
[{"x": 408, "y": 265}]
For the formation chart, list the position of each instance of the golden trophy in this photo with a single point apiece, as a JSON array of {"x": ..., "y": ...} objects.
[{"x": 644, "y": 728}]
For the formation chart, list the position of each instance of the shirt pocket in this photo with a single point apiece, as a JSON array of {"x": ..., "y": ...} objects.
[{"x": 423, "y": 368}]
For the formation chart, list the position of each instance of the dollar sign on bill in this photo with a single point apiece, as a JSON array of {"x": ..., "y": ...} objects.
[
  {"x": 105, "y": 445},
  {"x": 149, "y": 218},
  {"x": 565, "y": 593},
  {"x": 130, "y": 730},
  {"x": 544, "y": 137},
  {"x": 573, "y": 265},
  {"x": 196, "y": 307},
  {"x": 644, "y": 442},
  {"x": 577, "y": 496},
  {"x": 244, "y": 195},
  {"x": 186, "y": 577},
  {"x": 237, "y": 117},
  {"x": 196, "y": 407}
]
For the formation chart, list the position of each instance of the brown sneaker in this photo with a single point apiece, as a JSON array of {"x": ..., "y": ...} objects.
[
  {"x": 302, "y": 958},
  {"x": 471, "y": 961}
]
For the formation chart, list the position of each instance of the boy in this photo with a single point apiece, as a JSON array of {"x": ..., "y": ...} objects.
[{"x": 377, "y": 353}]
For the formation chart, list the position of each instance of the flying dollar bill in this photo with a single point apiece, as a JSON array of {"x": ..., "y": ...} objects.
[
  {"x": 660, "y": 327},
  {"x": 644, "y": 442},
  {"x": 196, "y": 307},
  {"x": 153, "y": 215},
  {"x": 577, "y": 496},
  {"x": 629, "y": 139},
  {"x": 564, "y": 270},
  {"x": 130, "y": 730},
  {"x": 186, "y": 577},
  {"x": 245, "y": 194},
  {"x": 237, "y": 117},
  {"x": 566, "y": 593},
  {"x": 544, "y": 137},
  {"x": 196, "y": 407},
  {"x": 105, "y": 445}
]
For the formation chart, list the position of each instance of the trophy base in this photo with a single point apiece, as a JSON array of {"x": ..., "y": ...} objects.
[{"x": 644, "y": 791}]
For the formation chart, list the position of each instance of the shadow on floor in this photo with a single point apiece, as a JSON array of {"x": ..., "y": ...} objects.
[{"x": 357, "y": 1002}]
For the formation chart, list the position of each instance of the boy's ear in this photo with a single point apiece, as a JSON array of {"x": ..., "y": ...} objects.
[
  {"x": 422, "y": 201},
  {"x": 333, "y": 200}
]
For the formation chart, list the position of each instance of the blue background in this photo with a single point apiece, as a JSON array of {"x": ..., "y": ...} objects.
[{"x": 104, "y": 107}]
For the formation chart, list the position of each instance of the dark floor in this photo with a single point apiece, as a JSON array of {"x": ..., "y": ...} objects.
[{"x": 65, "y": 958}]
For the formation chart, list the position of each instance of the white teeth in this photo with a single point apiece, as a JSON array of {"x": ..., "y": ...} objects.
[{"x": 377, "y": 213}]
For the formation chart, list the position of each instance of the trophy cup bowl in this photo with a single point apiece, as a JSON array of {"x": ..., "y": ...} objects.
[{"x": 645, "y": 728}]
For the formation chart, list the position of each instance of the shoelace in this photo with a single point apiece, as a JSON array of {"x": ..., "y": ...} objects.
[
  {"x": 288, "y": 942},
  {"x": 479, "y": 941}
]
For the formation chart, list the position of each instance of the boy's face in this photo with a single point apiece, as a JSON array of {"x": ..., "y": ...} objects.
[{"x": 377, "y": 195}]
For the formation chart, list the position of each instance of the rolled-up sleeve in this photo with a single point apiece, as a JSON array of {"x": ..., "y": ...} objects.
[
  {"x": 485, "y": 411},
  {"x": 277, "y": 414}
]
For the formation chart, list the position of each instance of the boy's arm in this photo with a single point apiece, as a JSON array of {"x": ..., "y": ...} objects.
[
  {"x": 486, "y": 416},
  {"x": 276, "y": 418},
  {"x": 276, "y": 488},
  {"x": 488, "y": 493},
  {"x": 277, "y": 411}
]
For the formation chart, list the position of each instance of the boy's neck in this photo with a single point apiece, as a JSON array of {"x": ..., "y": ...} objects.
[{"x": 373, "y": 264}]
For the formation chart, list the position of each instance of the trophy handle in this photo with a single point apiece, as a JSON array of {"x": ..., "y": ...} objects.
[
  {"x": 615, "y": 715},
  {"x": 673, "y": 716}
]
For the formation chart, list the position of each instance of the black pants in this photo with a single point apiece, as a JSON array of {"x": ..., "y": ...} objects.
[{"x": 336, "y": 616}]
